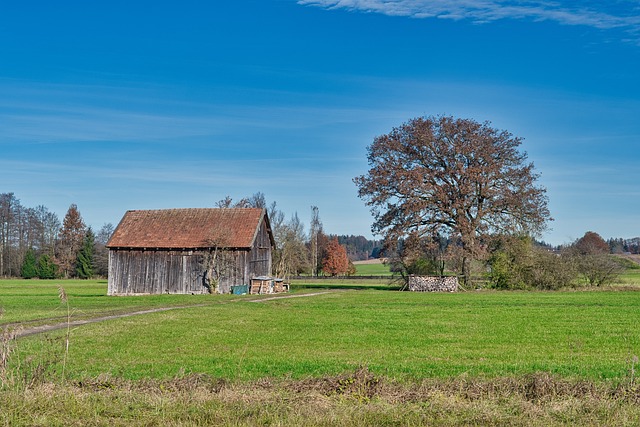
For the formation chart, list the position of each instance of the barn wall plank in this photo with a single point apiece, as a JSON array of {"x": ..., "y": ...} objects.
[{"x": 175, "y": 272}]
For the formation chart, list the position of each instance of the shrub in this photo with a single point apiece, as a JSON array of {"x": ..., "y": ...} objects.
[
  {"x": 551, "y": 271},
  {"x": 598, "y": 270},
  {"x": 516, "y": 263}
]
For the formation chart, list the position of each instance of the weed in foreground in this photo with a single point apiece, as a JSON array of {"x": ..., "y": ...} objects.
[
  {"x": 633, "y": 366},
  {"x": 23, "y": 374},
  {"x": 7, "y": 348},
  {"x": 65, "y": 300}
]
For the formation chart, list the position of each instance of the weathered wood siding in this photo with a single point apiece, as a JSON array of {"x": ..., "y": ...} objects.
[
  {"x": 154, "y": 272},
  {"x": 233, "y": 272},
  {"x": 136, "y": 271},
  {"x": 172, "y": 272},
  {"x": 260, "y": 255}
]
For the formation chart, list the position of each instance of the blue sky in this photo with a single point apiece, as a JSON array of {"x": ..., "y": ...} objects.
[{"x": 146, "y": 105}]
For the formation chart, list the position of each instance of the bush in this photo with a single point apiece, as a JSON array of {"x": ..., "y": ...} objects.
[
  {"x": 598, "y": 270},
  {"x": 515, "y": 263},
  {"x": 504, "y": 272},
  {"x": 551, "y": 271}
]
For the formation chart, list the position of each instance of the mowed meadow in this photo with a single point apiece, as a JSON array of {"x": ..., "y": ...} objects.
[
  {"x": 370, "y": 356},
  {"x": 402, "y": 335}
]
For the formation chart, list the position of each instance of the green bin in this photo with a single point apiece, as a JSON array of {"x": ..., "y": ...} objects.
[{"x": 240, "y": 289}]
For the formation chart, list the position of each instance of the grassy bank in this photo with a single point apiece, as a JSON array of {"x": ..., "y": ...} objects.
[
  {"x": 630, "y": 277},
  {"x": 352, "y": 399}
]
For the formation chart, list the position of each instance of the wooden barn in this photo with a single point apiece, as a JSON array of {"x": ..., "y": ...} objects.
[{"x": 189, "y": 251}]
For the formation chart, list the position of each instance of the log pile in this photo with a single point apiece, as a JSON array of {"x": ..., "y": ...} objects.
[{"x": 433, "y": 284}]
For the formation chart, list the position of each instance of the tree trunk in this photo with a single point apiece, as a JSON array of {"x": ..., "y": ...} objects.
[{"x": 466, "y": 267}]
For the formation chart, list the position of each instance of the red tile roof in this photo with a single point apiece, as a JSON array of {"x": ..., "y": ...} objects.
[{"x": 188, "y": 228}]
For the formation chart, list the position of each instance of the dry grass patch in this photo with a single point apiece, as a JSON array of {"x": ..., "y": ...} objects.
[{"x": 357, "y": 398}]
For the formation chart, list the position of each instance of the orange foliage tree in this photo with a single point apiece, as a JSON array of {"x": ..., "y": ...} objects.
[
  {"x": 335, "y": 261},
  {"x": 455, "y": 178}
]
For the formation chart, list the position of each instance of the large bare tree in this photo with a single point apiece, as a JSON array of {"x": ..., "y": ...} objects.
[
  {"x": 456, "y": 177},
  {"x": 291, "y": 256},
  {"x": 314, "y": 231},
  {"x": 101, "y": 254},
  {"x": 9, "y": 208}
]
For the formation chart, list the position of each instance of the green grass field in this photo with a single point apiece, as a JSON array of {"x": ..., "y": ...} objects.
[
  {"x": 130, "y": 371},
  {"x": 402, "y": 335},
  {"x": 630, "y": 277},
  {"x": 375, "y": 269},
  {"x": 36, "y": 301}
]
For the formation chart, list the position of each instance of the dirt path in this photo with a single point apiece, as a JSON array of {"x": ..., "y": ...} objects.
[
  {"x": 21, "y": 331},
  {"x": 74, "y": 323}
]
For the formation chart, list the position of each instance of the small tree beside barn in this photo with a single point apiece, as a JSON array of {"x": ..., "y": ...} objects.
[{"x": 189, "y": 251}]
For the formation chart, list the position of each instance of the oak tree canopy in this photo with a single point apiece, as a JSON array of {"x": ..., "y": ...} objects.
[{"x": 451, "y": 177}]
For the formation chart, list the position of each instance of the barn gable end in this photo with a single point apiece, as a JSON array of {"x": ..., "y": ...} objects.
[{"x": 189, "y": 251}]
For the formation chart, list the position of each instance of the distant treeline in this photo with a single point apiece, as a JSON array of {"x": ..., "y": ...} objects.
[
  {"x": 616, "y": 246},
  {"x": 34, "y": 242},
  {"x": 360, "y": 248},
  {"x": 620, "y": 246}
]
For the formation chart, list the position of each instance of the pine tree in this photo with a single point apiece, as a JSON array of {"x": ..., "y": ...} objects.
[
  {"x": 84, "y": 260},
  {"x": 71, "y": 240},
  {"x": 29, "y": 270},
  {"x": 46, "y": 268}
]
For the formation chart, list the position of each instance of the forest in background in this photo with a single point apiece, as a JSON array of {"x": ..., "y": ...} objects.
[
  {"x": 51, "y": 247},
  {"x": 36, "y": 242}
]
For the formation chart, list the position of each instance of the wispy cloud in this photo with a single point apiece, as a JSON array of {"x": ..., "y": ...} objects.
[
  {"x": 623, "y": 14},
  {"x": 53, "y": 113}
]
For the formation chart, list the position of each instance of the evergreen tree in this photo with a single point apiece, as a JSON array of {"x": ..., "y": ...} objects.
[
  {"x": 29, "y": 269},
  {"x": 84, "y": 260},
  {"x": 70, "y": 240},
  {"x": 46, "y": 268}
]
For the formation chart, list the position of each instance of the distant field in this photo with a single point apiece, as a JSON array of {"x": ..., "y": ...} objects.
[
  {"x": 372, "y": 268},
  {"x": 385, "y": 283},
  {"x": 630, "y": 279},
  {"x": 371, "y": 261},
  {"x": 633, "y": 257}
]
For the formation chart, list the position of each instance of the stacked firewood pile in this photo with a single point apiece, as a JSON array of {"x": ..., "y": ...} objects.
[{"x": 433, "y": 284}]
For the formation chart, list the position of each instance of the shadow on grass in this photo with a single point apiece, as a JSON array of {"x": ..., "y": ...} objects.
[{"x": 344, "y": 286}]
